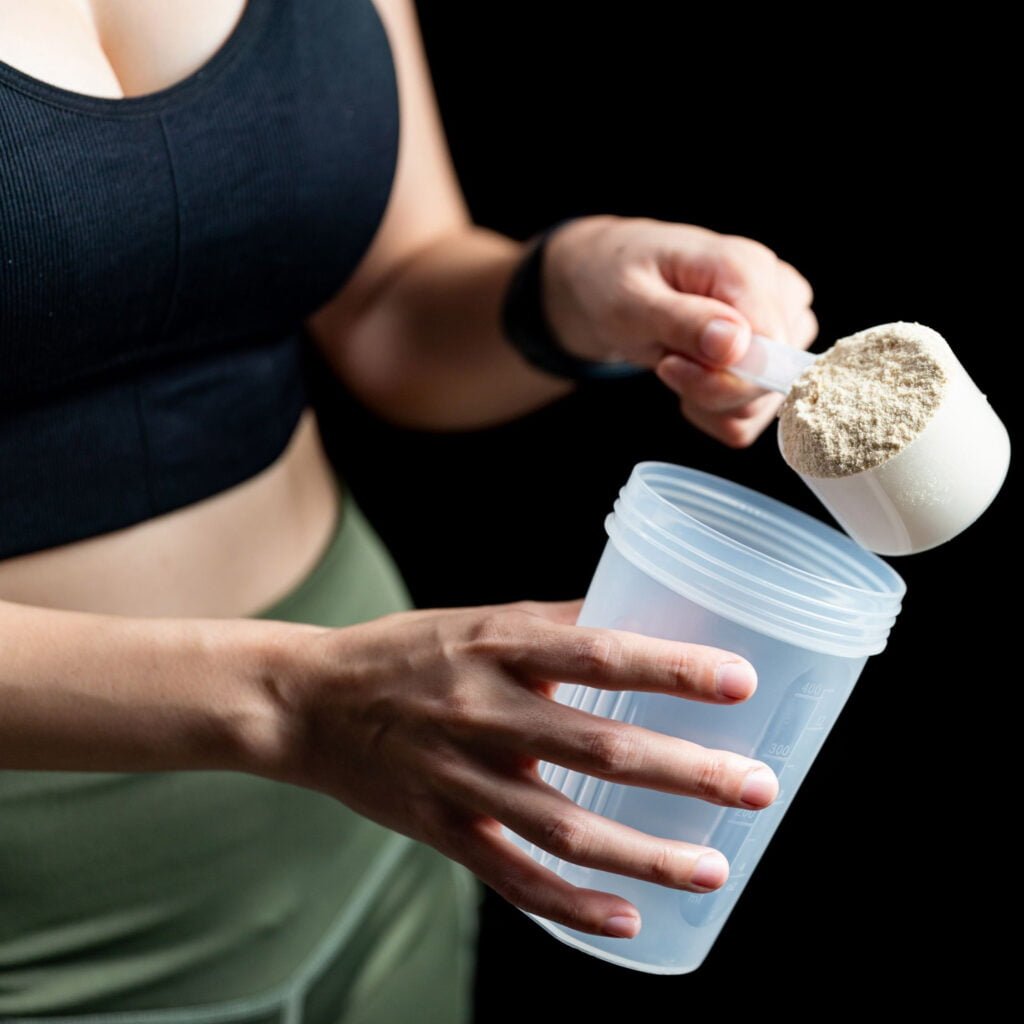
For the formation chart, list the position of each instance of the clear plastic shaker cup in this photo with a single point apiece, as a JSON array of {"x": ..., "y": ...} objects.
[{"x": 693, "y": 557}]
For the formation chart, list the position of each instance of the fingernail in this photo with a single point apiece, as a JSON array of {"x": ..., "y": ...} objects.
[
  {"x": 719, "y": 340},
  {"x": 760, "y": 787},
  {"x": 735, "y": 680},
  {"x": 622, "y": 927},
  {"x": 710, "y": 873}
]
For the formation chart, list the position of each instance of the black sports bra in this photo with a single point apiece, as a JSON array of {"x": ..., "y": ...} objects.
[{"x": 158, "y": 255}]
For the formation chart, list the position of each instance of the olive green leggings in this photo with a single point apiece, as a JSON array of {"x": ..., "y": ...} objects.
[{"x": 221, "y": 898}]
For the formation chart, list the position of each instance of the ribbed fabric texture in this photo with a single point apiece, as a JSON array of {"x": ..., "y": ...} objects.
[{"x": 157, "y": 258}]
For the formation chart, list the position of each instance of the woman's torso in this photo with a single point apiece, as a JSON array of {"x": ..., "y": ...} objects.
[
  {"x": 236, "y": 551},
  {"x": 134, "y": 892}
]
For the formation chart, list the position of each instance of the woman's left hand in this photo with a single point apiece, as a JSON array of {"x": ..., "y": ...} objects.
[{"x": 681, "y": 300}]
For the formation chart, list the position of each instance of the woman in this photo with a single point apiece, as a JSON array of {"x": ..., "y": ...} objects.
[{"x": 239, "y": 775}]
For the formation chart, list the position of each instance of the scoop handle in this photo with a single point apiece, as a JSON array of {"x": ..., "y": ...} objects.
[{"x": 771, "y": 364}]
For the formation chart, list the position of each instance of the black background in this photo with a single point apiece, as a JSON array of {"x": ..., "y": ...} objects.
[{"x": 876, "y": 162}]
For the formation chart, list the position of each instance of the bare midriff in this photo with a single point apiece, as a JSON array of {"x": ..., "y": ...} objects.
[{"x": 233, "y": 554}]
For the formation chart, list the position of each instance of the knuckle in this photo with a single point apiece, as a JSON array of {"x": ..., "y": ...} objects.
[
  {"x": 479, "y": 628},
  {"x": 611, "y": 750},
  {"x": 493, "y": 632},
  {"x": 560, "y": 906},
  {"x": 737, "y": 251},
  {"x": 709, "y": 776},
  {"x": 574, "y": 914},
  {"x": 685, "y": 670},
  {"x": 523, "y": 891},
  {"x": 663, "y": 867},
  {"x": 594, "y": 652},
  {"x": 507, "y": 621},
  {"x": 566, "y": 835},
  {"x": 749, "y": 249}
]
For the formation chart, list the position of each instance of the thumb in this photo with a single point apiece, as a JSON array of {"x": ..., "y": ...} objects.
[{"x": 706, "y": 330}]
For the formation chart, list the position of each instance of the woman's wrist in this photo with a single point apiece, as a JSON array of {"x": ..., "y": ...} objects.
[
  {"x": 274, "y": 665},
  {"x": 561, "y": 289},
  {"x": 533, "y": 302}
]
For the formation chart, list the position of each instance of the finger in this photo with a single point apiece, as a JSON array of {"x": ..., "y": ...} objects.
[
  {"x": 633, "y": 756},
  {"x": 543, "y": 816},
  {"x": 730, "y": 429},
  {"x": 713, "y": 390},
  {"x": 795, "y": 286},
  {"x": 707, "y": 330},
  {"x": 518, "y": 878},
  {"x": 803, "y": 329},
  {"x": 615, "y": 659},
  {"x": 802, "y": 325},
  {"x": 748, "y": 278}
]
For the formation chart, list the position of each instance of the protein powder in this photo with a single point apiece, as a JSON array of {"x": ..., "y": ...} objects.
[{"x": 863, "y": 401}]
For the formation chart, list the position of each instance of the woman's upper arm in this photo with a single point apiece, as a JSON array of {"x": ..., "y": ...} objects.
[{"x": 426, "y": 202}]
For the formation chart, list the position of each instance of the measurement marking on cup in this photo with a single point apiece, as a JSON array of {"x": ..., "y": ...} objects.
[
  {"x": 737, "y": 835},
  {"x": 740, "y": 816},
  {"x": 787, "y": 725}
]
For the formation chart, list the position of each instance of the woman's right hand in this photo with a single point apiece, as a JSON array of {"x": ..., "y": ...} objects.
[{"x": 433, "y": 723}]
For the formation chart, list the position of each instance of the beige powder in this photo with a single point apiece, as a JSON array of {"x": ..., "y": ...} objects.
[{"x": 862, "y": 402}]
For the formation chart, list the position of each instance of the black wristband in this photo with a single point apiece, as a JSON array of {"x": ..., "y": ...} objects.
[{"x": 527, "y": 328}]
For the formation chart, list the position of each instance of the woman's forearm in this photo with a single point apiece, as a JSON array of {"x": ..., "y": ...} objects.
[
  {"x": 82, "y": 692},
  {"x": 428, "y": 350}
]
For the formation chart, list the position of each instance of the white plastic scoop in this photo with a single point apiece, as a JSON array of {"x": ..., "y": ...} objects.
[
  {"x": 932, "y": 489},
  {"x": 771, "y": 364}
]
